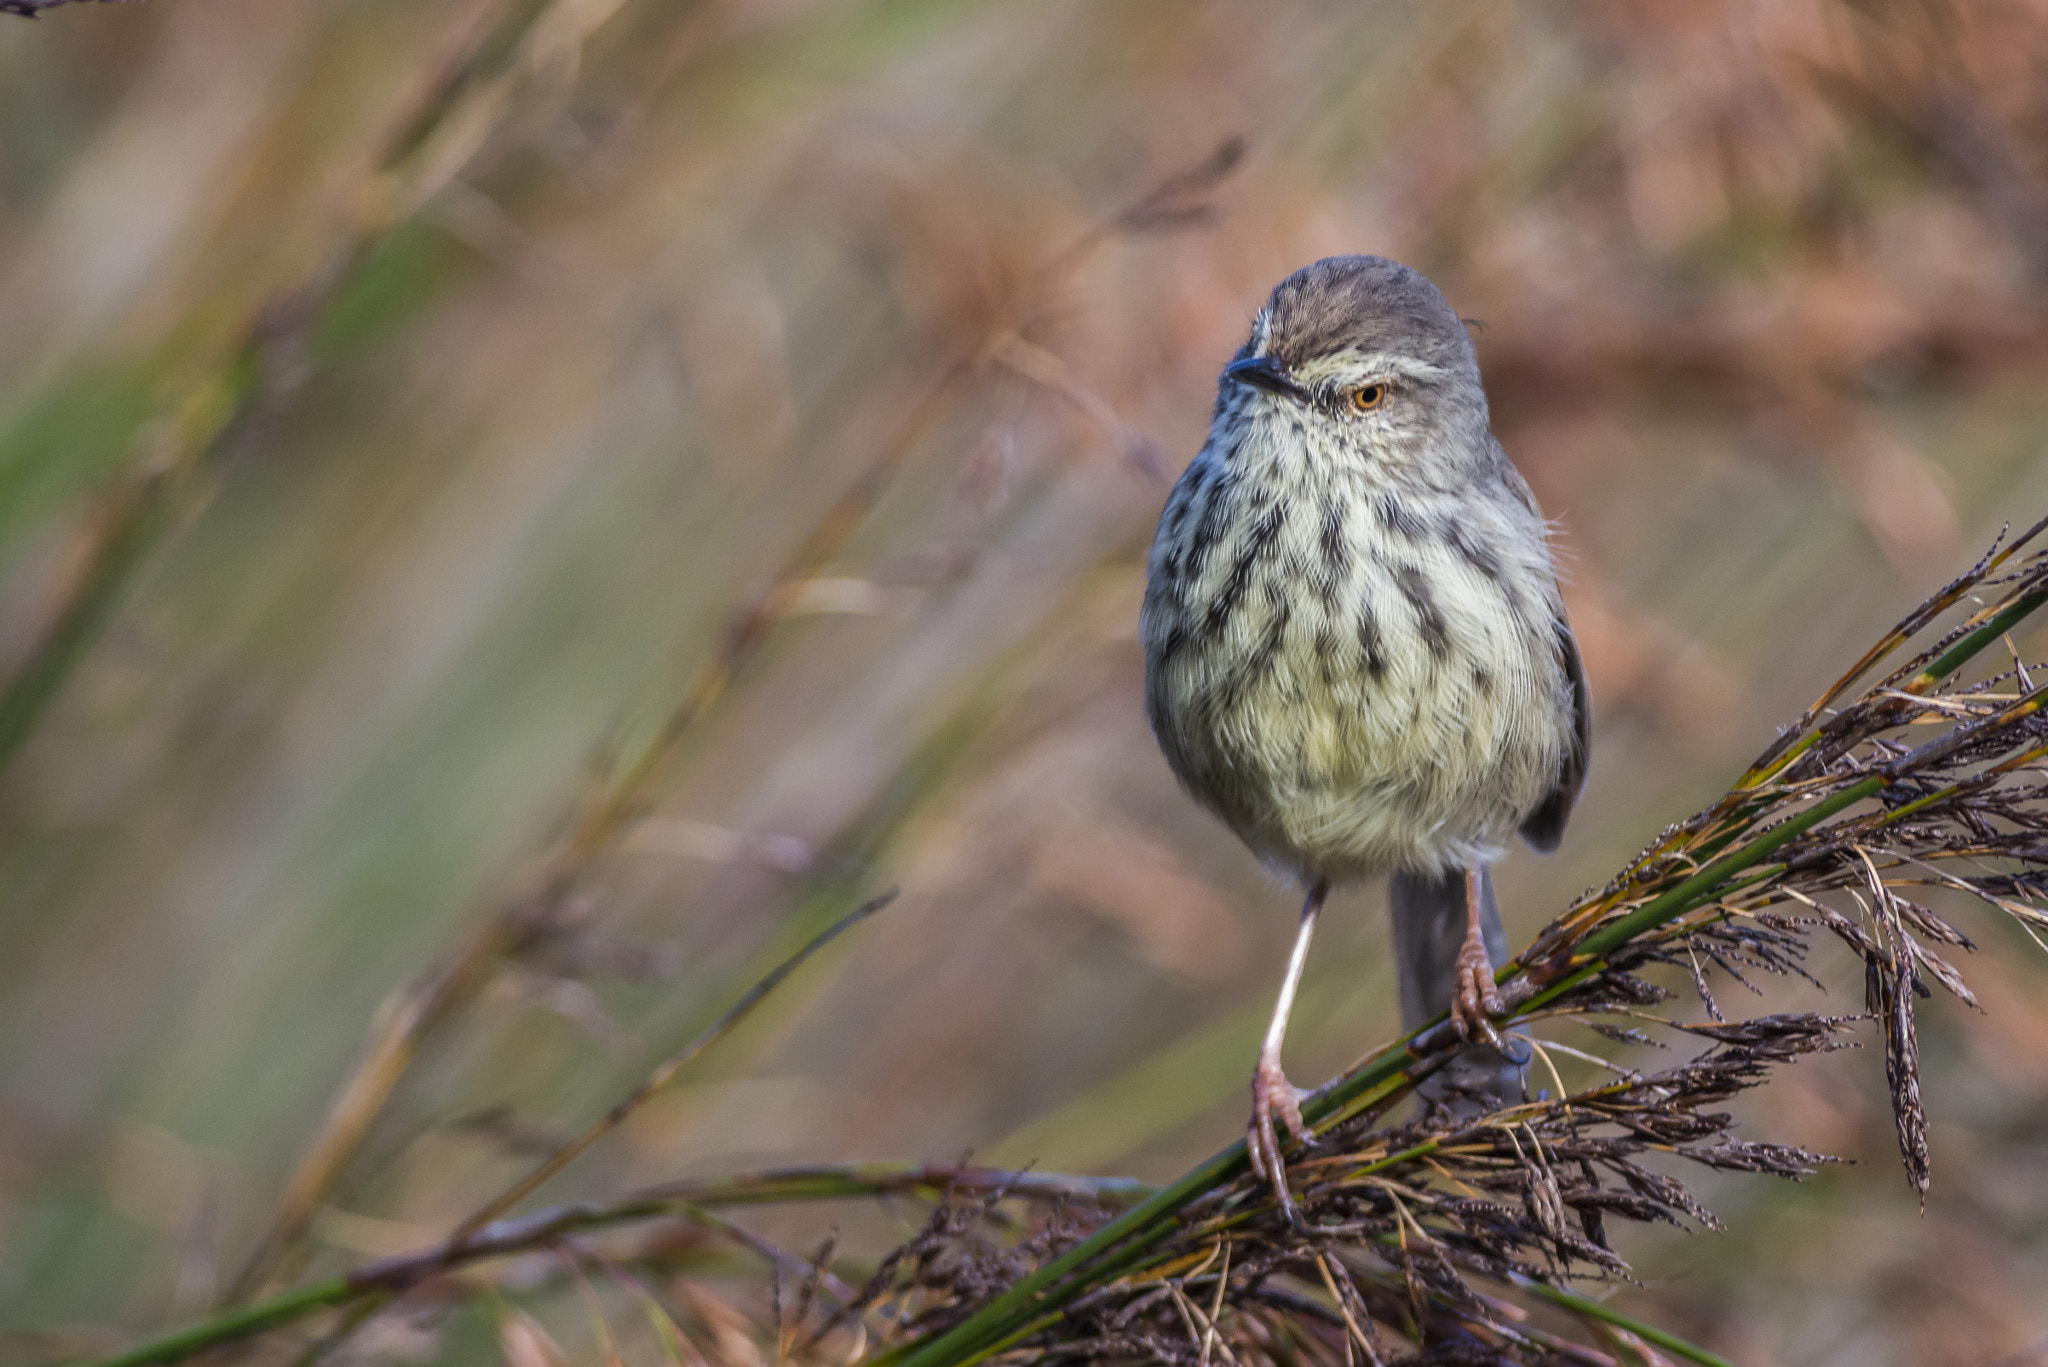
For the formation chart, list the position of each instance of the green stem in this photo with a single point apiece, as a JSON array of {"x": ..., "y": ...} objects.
[
  {"x": 998, "y": 1319},
  {"x": 1000, "y": 1344},
  {"x": 238, "y": 1324},
  {"x": 1693, "y": 891},
  {"x": 1649, "y": 1333},
  {"x": 1957, "y": 655}
]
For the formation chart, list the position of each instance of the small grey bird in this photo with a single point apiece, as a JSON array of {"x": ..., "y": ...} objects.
[{"x": 1355, "y": 651}]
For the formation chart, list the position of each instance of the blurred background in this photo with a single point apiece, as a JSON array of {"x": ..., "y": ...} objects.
[{"x": 639, "y": 477}]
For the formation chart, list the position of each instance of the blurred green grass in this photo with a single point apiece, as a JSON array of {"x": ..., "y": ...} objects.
[{"x": 1761, "y": 325}]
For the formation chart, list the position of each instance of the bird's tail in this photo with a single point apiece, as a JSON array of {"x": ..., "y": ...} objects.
[{"x": 1428, "y": 911}]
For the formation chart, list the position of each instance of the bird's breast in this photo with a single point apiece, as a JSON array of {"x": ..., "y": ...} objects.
[{"x": 1356, "y": 679}]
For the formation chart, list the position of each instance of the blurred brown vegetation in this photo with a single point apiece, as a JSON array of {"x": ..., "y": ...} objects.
[{"x": 398, "y": 401}]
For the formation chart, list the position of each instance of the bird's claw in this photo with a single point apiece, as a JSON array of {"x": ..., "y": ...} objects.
[
  {"x": 1476, "y": 999},
  {"x": 1273, "y": 1095}
]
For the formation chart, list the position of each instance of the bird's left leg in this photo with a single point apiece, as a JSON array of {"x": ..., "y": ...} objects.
[
  {"x": 1272, "y": 1094},
  {"x": 1475, "y": 998}
]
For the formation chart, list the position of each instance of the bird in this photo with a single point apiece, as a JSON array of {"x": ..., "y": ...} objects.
[{"x": 1356, "y": 651}]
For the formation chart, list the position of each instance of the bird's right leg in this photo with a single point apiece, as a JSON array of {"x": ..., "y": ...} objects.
[
  {"x": 1272, "y": 1094},
  {"x": 1475, "y": 998}
]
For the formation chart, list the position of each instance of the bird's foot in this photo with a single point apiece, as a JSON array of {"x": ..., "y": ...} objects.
[
  {"x": 1273, "y": 1095},
  {"x": 1475, "y": 998}
]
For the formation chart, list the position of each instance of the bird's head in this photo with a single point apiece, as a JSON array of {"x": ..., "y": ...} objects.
[{"x": 1371, "y": 362}]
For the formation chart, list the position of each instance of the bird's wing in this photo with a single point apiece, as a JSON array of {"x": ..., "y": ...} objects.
[{"x": 1545, "y": 826}]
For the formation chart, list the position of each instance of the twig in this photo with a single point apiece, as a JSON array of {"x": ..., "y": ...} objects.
[
  {"x": 30, "y": 9},
  {"x": 666, "y": 1073}
]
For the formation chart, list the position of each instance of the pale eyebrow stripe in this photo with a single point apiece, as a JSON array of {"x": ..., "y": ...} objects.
[
  {"x": 1384, "y": 363},
  {"x": 1371, "y": 366}
]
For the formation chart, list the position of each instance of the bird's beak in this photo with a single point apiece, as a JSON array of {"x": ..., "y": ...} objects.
[{"x": 1264, "y": 372}]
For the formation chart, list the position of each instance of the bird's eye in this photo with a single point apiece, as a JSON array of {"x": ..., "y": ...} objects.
[{"x": 1368, "y": 397}]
